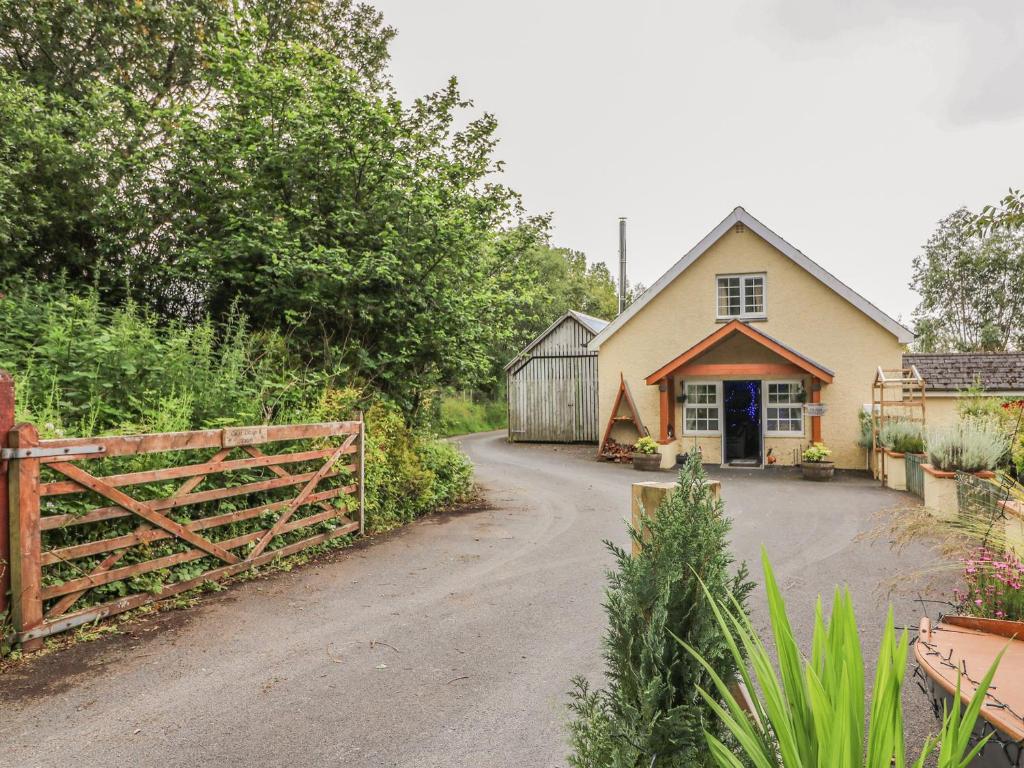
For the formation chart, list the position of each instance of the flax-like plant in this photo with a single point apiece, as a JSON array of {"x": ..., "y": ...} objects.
[{"x": 810, "y": 712}]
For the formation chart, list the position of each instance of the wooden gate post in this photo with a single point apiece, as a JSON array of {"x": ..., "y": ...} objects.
[
  {"x": 362, "y": 474},
  {"x": 26, "y": 566},
  {"x": 6, "y": 423}
]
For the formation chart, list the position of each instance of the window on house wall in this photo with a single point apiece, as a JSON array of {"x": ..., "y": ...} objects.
[
  {"x": 741, "y": 296},
  {"x": 784, "y": 411},
  {"x": 701, "y": 412}
]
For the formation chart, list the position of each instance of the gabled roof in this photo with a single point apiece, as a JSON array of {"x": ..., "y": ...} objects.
[
  {"x": 952, "y": 372},
  {"x": 596, "y": 324},
  {"x": 739, "y": 216},
  {"x": 735, "y": 326},
  {"x": 591, "y": 324}
]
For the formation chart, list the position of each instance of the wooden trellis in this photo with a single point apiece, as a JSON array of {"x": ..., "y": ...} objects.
[
  {"x": 296, "y": 498},
  {"x": 897, "y": 394}
]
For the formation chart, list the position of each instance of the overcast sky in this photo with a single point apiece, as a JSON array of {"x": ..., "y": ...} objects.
[{"x": 849, "y": 128}]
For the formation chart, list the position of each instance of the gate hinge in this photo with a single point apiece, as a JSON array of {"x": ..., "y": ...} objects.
[{"x": 39, "y": 453}]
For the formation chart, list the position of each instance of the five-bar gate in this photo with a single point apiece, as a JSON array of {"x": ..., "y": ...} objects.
[{"x": 172, "y": 512}]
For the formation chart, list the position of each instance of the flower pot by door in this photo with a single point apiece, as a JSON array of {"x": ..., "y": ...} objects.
[
  {"x": 818, "y": 470},
  {"x": 646, "y": 462}
]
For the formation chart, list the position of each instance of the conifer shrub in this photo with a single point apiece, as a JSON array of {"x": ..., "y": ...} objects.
[{"x": 650, "y": 708}]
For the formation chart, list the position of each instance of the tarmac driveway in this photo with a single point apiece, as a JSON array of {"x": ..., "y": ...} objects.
[{"x": 449, "y": 643}]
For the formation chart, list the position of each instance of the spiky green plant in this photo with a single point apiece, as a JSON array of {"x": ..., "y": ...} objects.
[{"x": 811, "y": 711}]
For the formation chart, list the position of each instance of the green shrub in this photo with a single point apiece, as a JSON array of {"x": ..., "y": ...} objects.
[
  {"x": 816, "y": 452},
  {"x": 866, "y": 439},
  {"x": 650, "y": 705},
  {"x": 459, "y": 415},
  {"x": 971, "y": 445},
  {"x": 902, "y": 436},
  {"x": 646, "y": 446},
  {"x": 81, "y": 368},
  {"x": 812, "y": 711}
]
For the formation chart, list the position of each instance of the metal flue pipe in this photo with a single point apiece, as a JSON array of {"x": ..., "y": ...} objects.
[{"x": 622, "y": 264}]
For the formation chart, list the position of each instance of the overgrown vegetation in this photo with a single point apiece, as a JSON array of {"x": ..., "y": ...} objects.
[
  {"x": 82, "y": 368},
  {"x": 812, "y": 711},
  {"x": 650, "y": 709},
  {"x": 462, "y": 414}
]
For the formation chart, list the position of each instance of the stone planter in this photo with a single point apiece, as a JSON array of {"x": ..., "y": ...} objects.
[
  {"x": 818, "y": 470},
  {"x": 895, "y": 470},
  {"x": 646, "y": 462},
  {"x": 940, "y": 491}
]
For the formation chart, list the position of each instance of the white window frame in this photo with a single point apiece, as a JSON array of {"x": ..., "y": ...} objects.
[
  {"x": 718, "y": 401},
  {"x": 743, "y": 278},
  {"x": 793, "y": 404}
]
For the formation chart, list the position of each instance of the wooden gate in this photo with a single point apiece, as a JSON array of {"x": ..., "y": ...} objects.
[
  {"x": 75, "y": 530},
  {"x": 915, "y": 475}
]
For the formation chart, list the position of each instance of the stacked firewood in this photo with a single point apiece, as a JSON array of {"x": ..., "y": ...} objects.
[{"x": 616, "y": 451}]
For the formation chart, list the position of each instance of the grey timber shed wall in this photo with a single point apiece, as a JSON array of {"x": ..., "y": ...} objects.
[{"x": 552, "y": 384}]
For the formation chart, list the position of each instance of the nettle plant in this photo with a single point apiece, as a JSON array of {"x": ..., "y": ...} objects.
[
  {"x": 817, "y": 452},
  {"x": 645, "y": 445}
]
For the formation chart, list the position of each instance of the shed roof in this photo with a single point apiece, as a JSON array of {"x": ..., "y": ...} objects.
[
  {"x": 955, "y": 371},
  {"x": 596, "y": 324},
  {"x": 739, "y": 216},
  {"x": 589, "y": 323}
]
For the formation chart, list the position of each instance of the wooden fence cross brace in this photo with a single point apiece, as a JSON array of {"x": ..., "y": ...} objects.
[
  {"x": 299, "y": 500},
  {"x": 143, "y": 510},
  {"x": 65, "y": 603}
]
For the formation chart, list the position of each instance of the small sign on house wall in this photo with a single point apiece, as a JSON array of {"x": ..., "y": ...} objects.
[{"x": 815, "y": 409}]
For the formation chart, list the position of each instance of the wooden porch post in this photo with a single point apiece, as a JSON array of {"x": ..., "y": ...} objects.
[
  {"x": 6, "y": 424},
  {"x": 665, "y": 392},
  {"x": 815, "y": 420}
]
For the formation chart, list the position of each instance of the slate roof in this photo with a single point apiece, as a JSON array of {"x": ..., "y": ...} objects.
[{"x": 951, "y": 372}]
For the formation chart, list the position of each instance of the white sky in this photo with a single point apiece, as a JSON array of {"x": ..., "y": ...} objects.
[{"x": 848, "y": 127}]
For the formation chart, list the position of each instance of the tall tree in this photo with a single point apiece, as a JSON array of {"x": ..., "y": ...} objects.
[{"x": 971, "y": 285}]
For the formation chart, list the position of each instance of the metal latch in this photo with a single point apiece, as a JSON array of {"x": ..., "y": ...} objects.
[{"x": 39, "y": 453}]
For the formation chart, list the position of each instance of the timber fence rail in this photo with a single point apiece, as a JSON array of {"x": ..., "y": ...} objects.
[{"x": 102, "y": 525}]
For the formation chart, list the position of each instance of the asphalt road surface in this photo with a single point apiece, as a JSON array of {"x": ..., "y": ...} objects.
[{"x": 449, "y": 643}]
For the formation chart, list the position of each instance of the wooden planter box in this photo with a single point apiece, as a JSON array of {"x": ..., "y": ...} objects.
[
  {"x": 895, "y": 470},
  {"x": 940, "y": 491},
  {"x": 647, "y": 462}
]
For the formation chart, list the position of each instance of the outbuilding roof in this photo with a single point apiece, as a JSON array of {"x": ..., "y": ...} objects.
[
  {"x": 596, "y": 324},
  {"x": 739, "y": 216},
  {"x": 955, "y": 371}
]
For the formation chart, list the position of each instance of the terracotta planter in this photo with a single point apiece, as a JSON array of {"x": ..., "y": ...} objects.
[
  {"x": 967, "y": 642},
  {"x": 646, "y": 462},
  {"x": 818, "y": 470}
]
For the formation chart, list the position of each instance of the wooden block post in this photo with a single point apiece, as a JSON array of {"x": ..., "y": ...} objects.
[
  {"x": 647, "y": 497},
  {"x": 6, "y": 424},
  {"x": 26, "y": 567}
]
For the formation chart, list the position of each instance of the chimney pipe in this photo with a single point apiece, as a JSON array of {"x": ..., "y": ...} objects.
[{"x": 622, "y": 263}]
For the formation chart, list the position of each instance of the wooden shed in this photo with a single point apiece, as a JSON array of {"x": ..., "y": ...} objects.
[{"x": 552, "y": 384}]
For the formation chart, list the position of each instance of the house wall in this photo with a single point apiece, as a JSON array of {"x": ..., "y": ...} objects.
[{"x": 802, "y": 313}]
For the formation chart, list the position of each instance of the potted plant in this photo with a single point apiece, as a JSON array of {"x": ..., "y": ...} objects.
[
  {"x": 646, "y": 457},
  {"x": 816, "y": 465},
  {"x": 898, "y": 438},
  {"x": 972, "y": 445}
]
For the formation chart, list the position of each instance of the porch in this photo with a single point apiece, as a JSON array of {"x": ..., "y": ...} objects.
[{"x": 741, "y": 398}]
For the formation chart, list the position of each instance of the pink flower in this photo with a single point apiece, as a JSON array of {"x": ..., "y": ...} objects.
[{"x": 977, "y": 602}]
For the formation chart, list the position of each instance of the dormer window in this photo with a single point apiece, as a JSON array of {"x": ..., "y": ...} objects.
[{"x": 741, "y": 297}]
